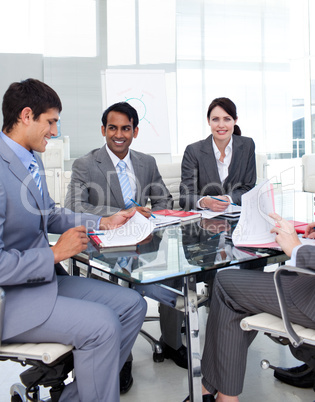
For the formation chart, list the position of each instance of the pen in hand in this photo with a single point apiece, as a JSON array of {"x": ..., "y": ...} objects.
[
  {"x": 153, "y": 216},
  {"x": 95, "y": 233},
  {"x": 218, "y": 199}
]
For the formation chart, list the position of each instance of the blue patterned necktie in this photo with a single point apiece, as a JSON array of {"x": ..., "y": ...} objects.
[
  {"x": 123, "y": 262},
  {"x": 34, "y": 169},
  {"x": 125, "y": 184}
]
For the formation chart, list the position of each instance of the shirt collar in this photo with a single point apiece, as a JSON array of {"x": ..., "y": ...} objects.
[
  {"x": 228, "y": 148},
  {"x": 115, "y": 158},
  {"x": 22, "y": 153}
]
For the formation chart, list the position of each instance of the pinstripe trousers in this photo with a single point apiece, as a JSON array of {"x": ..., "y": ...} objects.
[{"x": 238, "y": 294}]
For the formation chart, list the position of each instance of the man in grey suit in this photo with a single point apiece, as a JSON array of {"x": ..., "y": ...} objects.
[
  {"x": 95, "y": 188},
  {"x": 43, "y": 303},
  {"x": 95, "y": 185},
  {"x": 237, "y": 294}
]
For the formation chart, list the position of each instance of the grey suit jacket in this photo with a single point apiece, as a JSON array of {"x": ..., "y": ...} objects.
[
  {"x": 27, "y": 270},
  {"x": 95, "y": 187},
  {"x": 200, "y": 176}
]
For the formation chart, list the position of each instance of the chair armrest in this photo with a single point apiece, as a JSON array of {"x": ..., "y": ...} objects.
[
  {"x": 2, "y": 301},
  {"x": 292, "y": 335}
]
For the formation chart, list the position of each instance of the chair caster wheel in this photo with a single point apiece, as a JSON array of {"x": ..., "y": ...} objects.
[
  {"x": 17, "y": 392},
  {"x": 16, "y": 398},
  {"x": 158, "y": 357}
]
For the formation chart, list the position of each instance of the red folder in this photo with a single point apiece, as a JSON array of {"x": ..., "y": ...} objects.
[
  {"x": 299, "y": 226},
  {"x": 183, "y": 215}
]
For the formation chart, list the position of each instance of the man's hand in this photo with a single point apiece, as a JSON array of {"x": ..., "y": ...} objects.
[
  {"x": 287, "y": 237},
  {"x": 144, "y": 211},
  {"x": 215, "y": 205},
  {"x": 310, "y": 231},
  {"x": 72, "y": 242},
  {"x": 118, "y": 219}
]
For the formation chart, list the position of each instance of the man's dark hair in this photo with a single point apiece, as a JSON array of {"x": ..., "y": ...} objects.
[
  {"x": 31, "y": 93},
  {"x": 125, "y": 108}
]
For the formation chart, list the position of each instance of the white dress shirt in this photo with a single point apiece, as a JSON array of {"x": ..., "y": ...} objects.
[{"x": 223, "y": 167}]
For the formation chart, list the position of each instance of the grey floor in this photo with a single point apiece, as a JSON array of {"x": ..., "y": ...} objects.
[{"x": 168, "y": 383}]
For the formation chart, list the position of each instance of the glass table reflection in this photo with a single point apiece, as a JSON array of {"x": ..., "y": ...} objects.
[{"x": 176, "y": 258}]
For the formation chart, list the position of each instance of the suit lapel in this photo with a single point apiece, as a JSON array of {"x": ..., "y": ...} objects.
[
  {"x": 18, "y": 170},
  {"x": 237, "y": 156},
  {"x": 112, "y": 184},
  {"x": 208, "y": 160},
  {"x": 139, "y": 170}
]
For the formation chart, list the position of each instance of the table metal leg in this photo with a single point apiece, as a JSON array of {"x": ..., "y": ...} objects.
[
  {"x": 70, "y": 266},
  {"x": 192, "y": 339}
]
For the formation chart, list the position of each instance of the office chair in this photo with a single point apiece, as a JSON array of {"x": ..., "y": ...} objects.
[
  {"x": 156, "y": 345},
  {"x": 301, "y": 340},
  {"x": 50, "y": 365},
  {"x": 308, "y": 173}
]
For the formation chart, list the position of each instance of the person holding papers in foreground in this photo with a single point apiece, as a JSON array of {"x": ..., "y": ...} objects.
[
  {"x": 218, "y": 170},
  {"x": 116, "y": 177},
  {"x": 300, "y": 376},
  {"x": 241, "y": 293},
  {"x": 43, "y": 303}
]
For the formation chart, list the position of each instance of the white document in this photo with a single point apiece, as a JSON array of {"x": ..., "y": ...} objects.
[
  {"x": 207, "y": 214},
  {"x": 254, "y": 225},
  {"x": 231, "y": 211},
  {"x": 133, "y": 232}
]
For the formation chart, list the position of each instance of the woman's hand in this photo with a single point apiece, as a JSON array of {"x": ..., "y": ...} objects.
[
  {"x": 286, "y": 235},
  {"x": 215, "y": 205}
]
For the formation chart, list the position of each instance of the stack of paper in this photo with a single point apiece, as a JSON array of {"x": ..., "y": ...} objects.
[
  {"x": 232, "y": 211},
  {"x": 161, "y": 220},
  {"x": 254, "y": 226},
  {"x": 131, "y": 233}
]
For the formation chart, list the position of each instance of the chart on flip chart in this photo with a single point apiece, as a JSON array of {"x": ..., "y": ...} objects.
[{"x": 146, "y": 92}]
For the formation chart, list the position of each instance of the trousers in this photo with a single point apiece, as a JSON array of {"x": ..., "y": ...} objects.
[
  {"x": 101, "y": 320},
  {"x": 237, "y": 294}
]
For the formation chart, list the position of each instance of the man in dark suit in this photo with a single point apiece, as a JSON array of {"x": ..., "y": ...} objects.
[
  {"x": 95, "y": 187},
  {"x": 43, "y": 303},
  {"x": 237, "y": 294}
]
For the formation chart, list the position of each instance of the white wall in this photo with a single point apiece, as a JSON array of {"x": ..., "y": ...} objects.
[{"x": 16, "y": 67}]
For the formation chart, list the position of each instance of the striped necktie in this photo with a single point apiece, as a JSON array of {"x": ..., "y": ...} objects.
[
  {"x": 124, "y": 184},
  {"x": 123, "y": 262},
  {"x": 34, "y": 169}
]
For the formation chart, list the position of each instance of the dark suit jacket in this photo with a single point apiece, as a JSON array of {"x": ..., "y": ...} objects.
[
  {"x": 95, "y": 187},
  {"x": 200, "y": 176},
  {"x": 27, "y": 270},
  {"x": 303, "y": 287}
]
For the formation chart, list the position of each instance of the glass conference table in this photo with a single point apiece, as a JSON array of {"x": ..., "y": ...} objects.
[{"x": 176, "y": 258}]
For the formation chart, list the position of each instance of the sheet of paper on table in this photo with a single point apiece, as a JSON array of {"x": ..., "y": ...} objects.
[{"x": 133, "y": 232}]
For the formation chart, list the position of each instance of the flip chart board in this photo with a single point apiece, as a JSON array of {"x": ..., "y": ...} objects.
[{"x": 145, "y": 90}]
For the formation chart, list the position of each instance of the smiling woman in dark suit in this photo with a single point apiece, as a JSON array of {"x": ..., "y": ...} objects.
[{"x": 223, "y": 165}]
